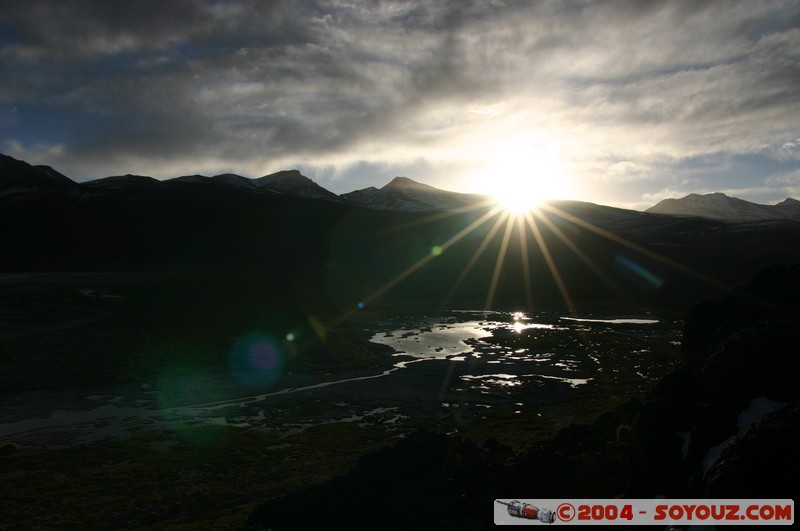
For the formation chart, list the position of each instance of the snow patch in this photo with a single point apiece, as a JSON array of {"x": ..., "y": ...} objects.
[
  {"x": 687, "y": 441},
  {"x": 750, "y": 415},
  {"x": 755, "y": 412}
]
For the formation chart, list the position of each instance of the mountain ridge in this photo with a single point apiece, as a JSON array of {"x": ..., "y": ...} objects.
[
  {"x": 404, "y": 194},
  {"x": 294, "y": 182},
  {"x": 18, "y": 176},
  {"x": 719, "y": 206},
  {"x": 401, "y": 194},
  {"x": 308, "y": 246}
]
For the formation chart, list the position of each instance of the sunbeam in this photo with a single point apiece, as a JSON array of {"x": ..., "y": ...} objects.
[
  {"x": 579, "y": 253},
  {"x": 526, "y": 266},
  {"x": 638, "y": 248},
  {"x": 496, "y": 211},
  {"x": 526, "y": 224},
  {"x": 562, "y": 288},
  {"x": 428, "y": 257},
  {"x": 501, "y": 257}
]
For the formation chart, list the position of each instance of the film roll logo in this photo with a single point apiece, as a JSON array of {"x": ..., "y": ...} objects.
[{"x": 527, "y": 511}]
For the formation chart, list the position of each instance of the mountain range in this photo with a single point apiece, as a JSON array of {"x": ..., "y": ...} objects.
[
  {"x": 303, "y": 242},
  {"x": 401, "y": 194}
]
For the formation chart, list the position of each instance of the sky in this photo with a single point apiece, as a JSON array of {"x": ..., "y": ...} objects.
[{"x": 622, "y": 103}]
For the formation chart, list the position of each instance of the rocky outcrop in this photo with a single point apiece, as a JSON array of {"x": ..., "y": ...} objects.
[
  {"x": 763, "y": 462},
  {"x": 740, "y": 363}
]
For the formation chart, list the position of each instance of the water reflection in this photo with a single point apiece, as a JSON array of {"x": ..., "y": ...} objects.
[
  {"x": 433, "y": 340},
  {"x": 480, "y": 360},
  {"x": 502, "y": 380},
  {"x": 445, "y": 337},
  {"x": 612, "y": 321},
  {"x": 533, "y": 352}
]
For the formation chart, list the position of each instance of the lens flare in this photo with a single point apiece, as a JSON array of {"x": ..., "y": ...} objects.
[
  {"x": 256, "y": 360},
  {"x": 639, "y": 272}
]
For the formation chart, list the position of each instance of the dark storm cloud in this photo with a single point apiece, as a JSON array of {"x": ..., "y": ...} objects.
[
  {"x": 246, "y": 79},
  {"x": 134, "y": 78},
  {"x": 184, "y": 86}
]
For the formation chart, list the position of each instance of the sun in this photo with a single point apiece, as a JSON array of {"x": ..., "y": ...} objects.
[{"x": 521, "y": 173}]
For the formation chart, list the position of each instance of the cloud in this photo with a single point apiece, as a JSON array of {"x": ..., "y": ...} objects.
[
  {"x": 626, "y": 90},
  {"x": 789, "y": 150},
  {"x": 488, "y": 109},
  {"x": 788, "y": 182},
  {"x": 626, "y": 170},
  {"x": 666, "y": 193},
  {"x": 37, "y": 152}
]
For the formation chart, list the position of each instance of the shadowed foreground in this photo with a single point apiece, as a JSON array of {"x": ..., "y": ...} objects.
[{"x": 436, "y": 481}]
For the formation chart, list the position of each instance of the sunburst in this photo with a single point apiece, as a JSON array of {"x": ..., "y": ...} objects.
[
  {"x": 520, "y": 173},
  {"x": 524, "y": 219}
]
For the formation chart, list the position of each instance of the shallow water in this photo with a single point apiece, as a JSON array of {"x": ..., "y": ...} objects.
[{"x": 472, "y": 363}]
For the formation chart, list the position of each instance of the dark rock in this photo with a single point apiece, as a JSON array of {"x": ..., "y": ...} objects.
[
  {"x": 760, "y": 360},
  {"x": 701, "y": 326},
  {"x": 426, "y": 481},
  {"x": 763, "y": 462},
  {"x": 656, "y": 448},
  {"x": 9, "y": 448},
  {"x": 739, "y": 352},
  {"x": 493, "y": 447}
]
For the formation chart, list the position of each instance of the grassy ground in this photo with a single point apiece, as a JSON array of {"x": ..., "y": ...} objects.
[{"x": 209, "y": 477}]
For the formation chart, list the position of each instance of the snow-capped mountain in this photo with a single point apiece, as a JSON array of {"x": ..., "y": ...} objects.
[
  {"x": 721, "y": 207},
  {"x": 295, "y": 183},
  {"x": 404, "y": 194}
]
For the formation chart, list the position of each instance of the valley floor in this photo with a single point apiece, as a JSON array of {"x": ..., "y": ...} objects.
[{"x": 90, "y": 441}]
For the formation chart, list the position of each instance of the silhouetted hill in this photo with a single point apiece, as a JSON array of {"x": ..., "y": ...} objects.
[
  {"x": 576, "y": 251},
  {"x": 17, "y": 176},
  {"x": 290, "y": 182},
  {"x": 119, "y": 182}
]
